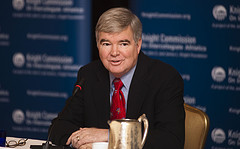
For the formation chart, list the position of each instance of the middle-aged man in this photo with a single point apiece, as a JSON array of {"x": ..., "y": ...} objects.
[{"x": 147, "y": 86}]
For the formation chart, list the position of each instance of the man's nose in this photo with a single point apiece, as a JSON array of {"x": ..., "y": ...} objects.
[{"x": 114, "y": 50}]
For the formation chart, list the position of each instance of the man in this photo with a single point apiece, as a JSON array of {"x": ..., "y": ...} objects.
[{"x": 149, "y": 86}]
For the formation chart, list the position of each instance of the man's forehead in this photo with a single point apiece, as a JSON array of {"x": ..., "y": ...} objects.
[
  {"x": 107, "y": 40},
  {"x": 115, "y": 37}
]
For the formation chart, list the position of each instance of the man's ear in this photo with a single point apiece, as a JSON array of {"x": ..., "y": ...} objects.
[{"x": 139, "y": 45}]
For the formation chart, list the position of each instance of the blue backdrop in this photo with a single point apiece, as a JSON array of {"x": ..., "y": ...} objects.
[
  {"x": 201, "y": 39},
  {"x": 42, "y": 46}
]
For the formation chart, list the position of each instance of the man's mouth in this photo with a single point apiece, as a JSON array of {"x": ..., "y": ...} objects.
[{"x": 115, "y": 62}]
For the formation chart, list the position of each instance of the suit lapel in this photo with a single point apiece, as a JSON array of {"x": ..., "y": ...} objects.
[
  {"x": 138, "y": 89},
  {"x": 102, "y": 96}
]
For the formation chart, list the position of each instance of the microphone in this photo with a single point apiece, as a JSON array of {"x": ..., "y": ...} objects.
[{"x": 77, "y": 88}]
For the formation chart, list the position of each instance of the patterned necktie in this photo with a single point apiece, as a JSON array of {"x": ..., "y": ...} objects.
[{"x": 118, "y": 101}]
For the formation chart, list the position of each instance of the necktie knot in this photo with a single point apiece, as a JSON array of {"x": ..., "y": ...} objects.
[{"x": 117, "y": 84}]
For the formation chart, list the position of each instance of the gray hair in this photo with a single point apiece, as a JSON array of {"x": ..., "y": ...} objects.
[{"x": 116, "y": 20}]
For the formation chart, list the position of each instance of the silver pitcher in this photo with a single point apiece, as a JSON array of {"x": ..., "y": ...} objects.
[{"x": 127, "y": 133}]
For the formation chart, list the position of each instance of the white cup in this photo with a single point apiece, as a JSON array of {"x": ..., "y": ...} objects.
[{"x": 100, "y": 145}]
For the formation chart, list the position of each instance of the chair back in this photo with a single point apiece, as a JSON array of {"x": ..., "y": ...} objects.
[{"x": 196, "y": 128}]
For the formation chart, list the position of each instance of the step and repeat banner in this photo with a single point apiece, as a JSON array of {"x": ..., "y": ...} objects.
[
  {"x": 201, "y": 39},
  {"x": 43, "y": 43}
]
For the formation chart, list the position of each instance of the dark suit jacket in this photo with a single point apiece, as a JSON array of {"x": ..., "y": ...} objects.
[{"x": 156, "y": 90}]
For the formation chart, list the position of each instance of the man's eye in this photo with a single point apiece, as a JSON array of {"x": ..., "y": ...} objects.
[
  {"x": 124, "y": 44},
  {"x": 106, "y": 44}
]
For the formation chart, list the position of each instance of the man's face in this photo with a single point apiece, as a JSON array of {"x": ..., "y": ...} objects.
[{"x": 118, "y": 51}]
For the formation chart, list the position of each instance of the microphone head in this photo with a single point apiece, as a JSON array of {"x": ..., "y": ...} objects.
[{"x": 78, "y": 86}]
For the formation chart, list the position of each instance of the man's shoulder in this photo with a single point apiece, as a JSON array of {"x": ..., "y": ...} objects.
[
  {"x": 156, "y": 65},
  {"x": 91, "y": 69},
  {"x": 156, "y": 71},
  {"x": 94, "y": 65}
]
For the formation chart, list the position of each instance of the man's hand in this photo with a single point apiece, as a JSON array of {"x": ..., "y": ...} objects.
[
  {"x": 86, "y": 146},
  {"x": 84, "y": 137}
]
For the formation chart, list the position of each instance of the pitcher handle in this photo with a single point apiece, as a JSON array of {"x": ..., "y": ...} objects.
[{"x": 143, "y": 119}]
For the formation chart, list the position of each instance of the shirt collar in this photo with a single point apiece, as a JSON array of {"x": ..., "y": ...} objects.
[{"x": 126, "y": 78}]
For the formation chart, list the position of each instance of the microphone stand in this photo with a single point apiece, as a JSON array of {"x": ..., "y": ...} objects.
[{"x": 77, "y": 88}]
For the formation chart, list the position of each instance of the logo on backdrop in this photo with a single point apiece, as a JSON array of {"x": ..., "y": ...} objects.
[
  {"x": 219, "y": 12},
  {"x": 18, "y": 59},
  {"x": 218, "y": 135},
  {"x": 18, "y": 116},
  {"x": 18, "y": 4},
  {"x": 218, "y": 74}
]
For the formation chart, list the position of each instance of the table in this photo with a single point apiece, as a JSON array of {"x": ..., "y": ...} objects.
[{"x": 27, "y": 145}]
